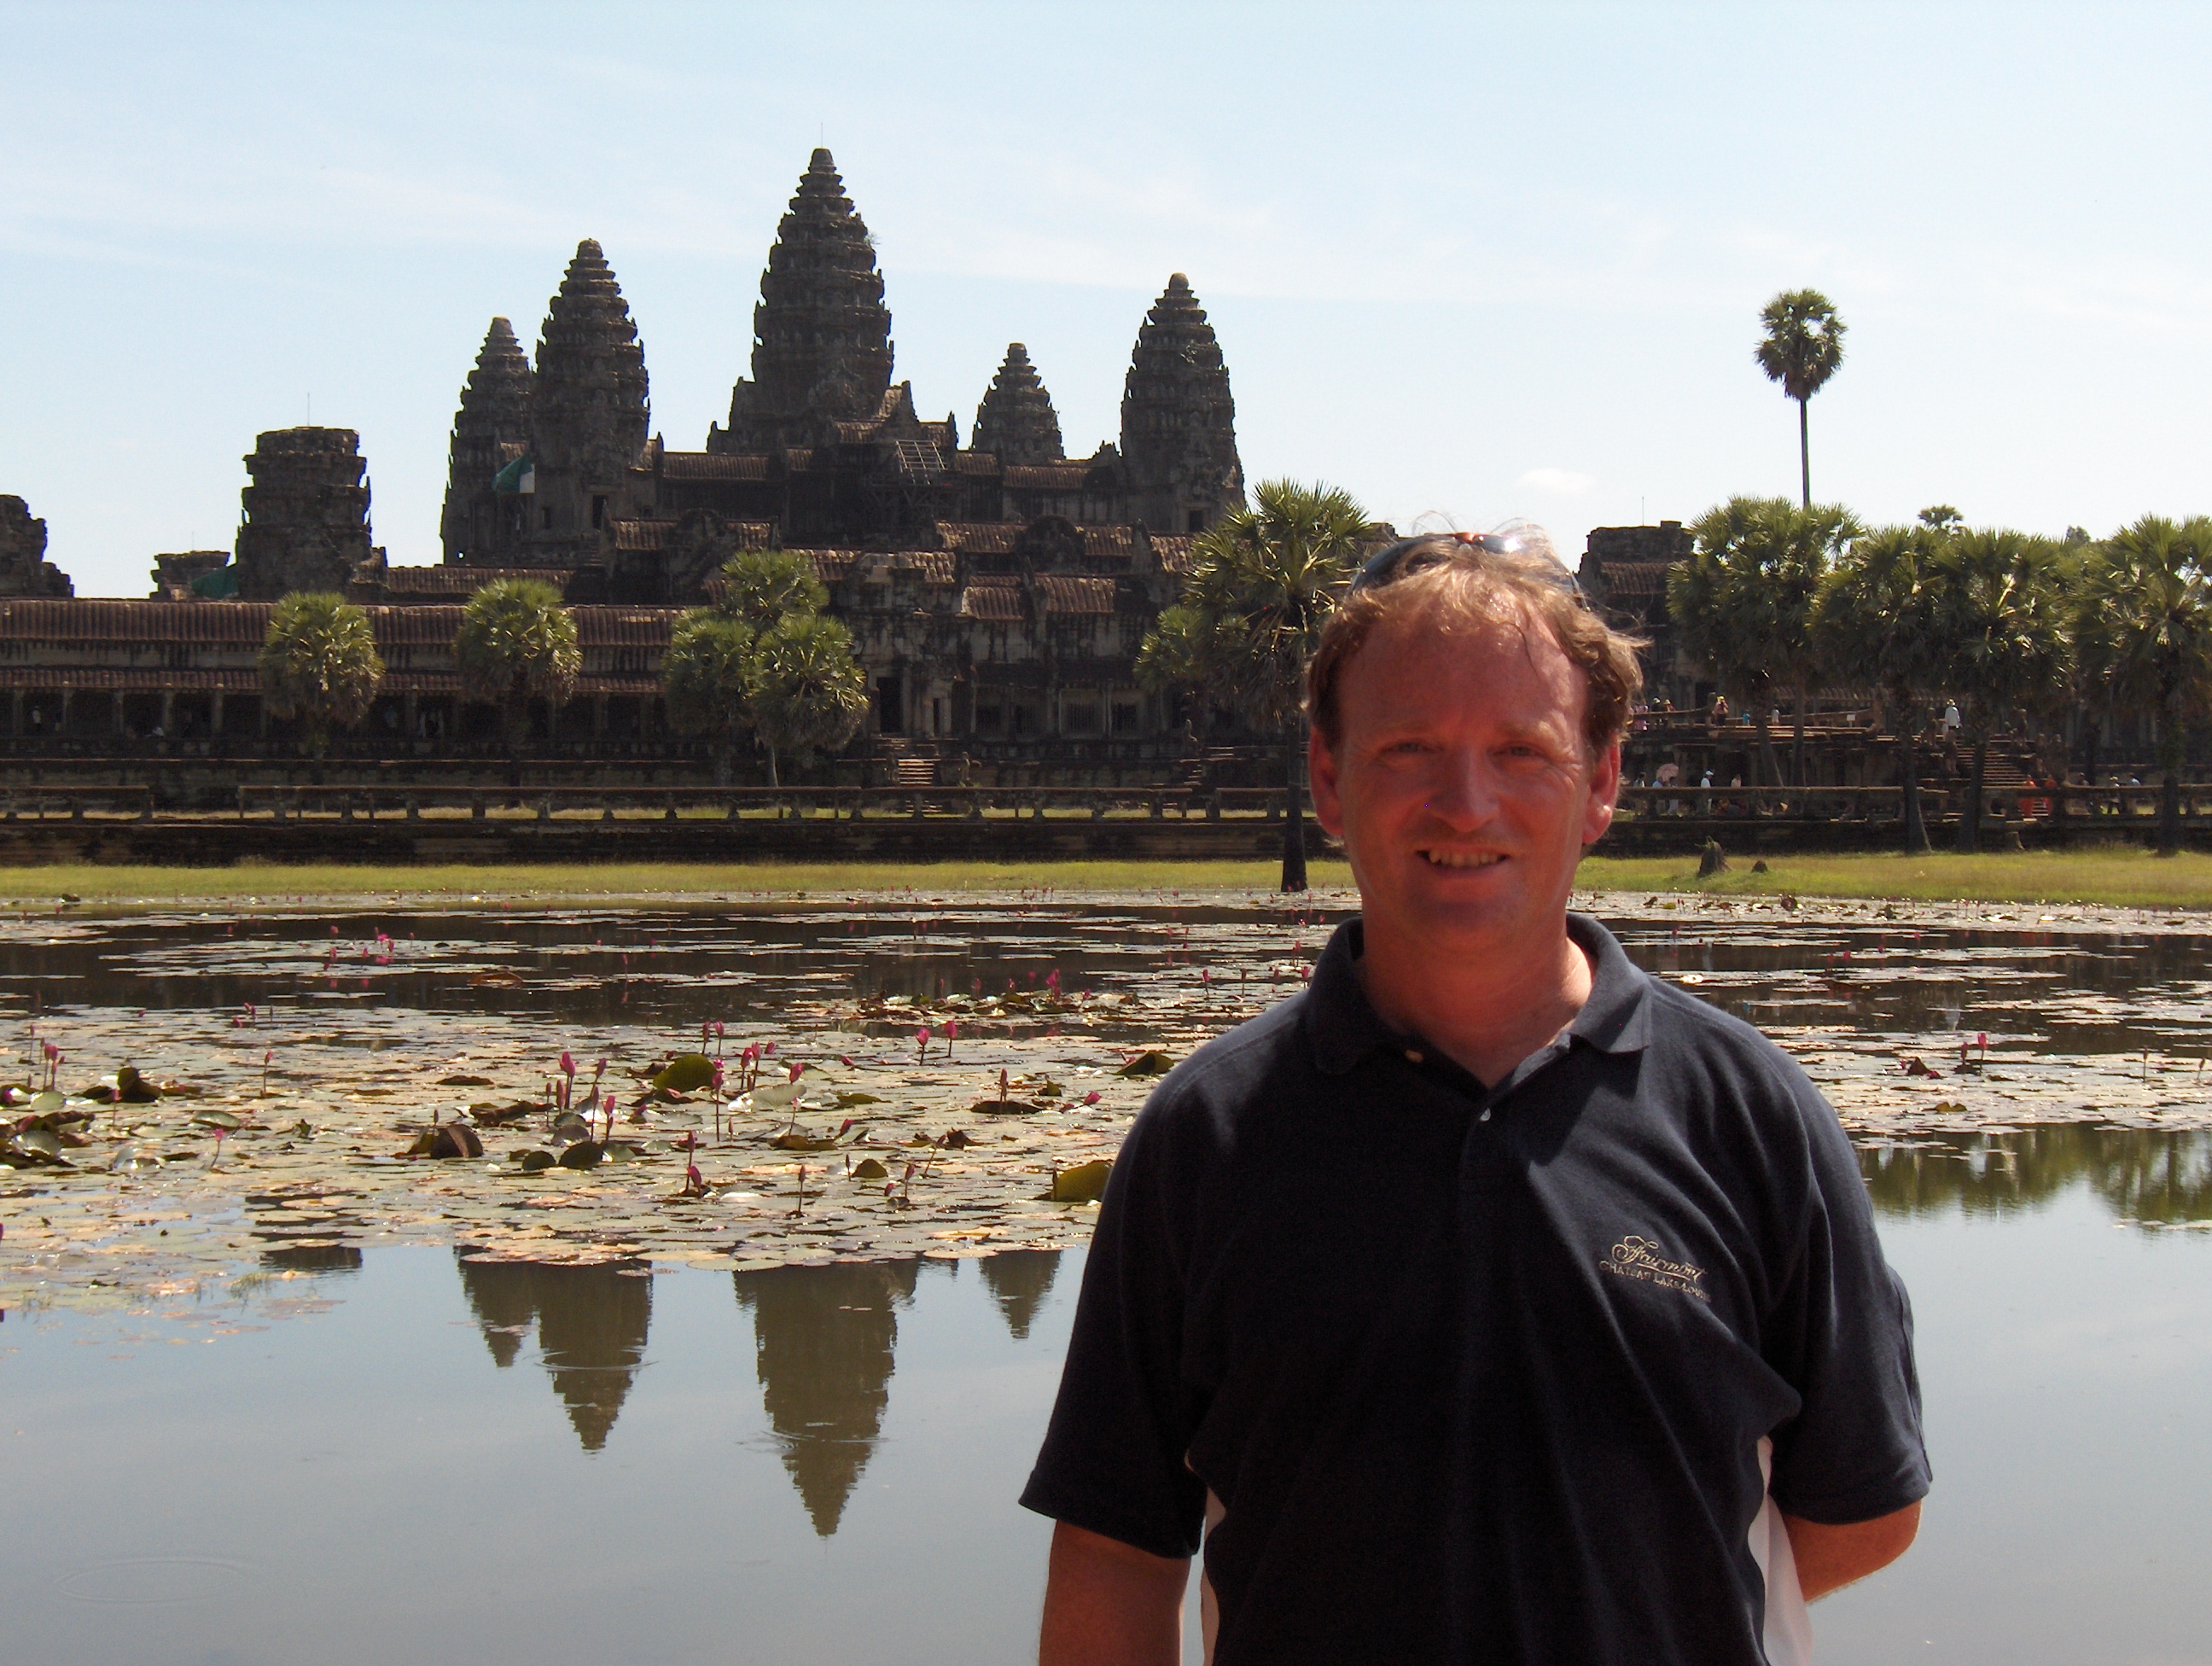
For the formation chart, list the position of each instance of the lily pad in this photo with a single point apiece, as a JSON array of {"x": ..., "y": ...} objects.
[
  {"x": 491, "y": 1115},
  {"x": 584, "y": 1154},
  {"x": 1083, "y": 1184},
  {"x": 534, "y": 1162},
  {"x": 1151, "y": 1062},
  {"x": 777, "y": 1095},
  {"x": 868, "y": 1169},
  {"x": 1008, "y": 1107},
  {"x": 465, "y": 1081},
  {"x": 45, "y": 1141},
  {"x": 133, "y": 1089},
  {"x": 846, "y": 1101},
  {"x": 49, "y": 1100},
  {"x": 687, "y": 1072},
  {"x": 803, "y": 1142},
  {"x": 228, "y": 1121}
]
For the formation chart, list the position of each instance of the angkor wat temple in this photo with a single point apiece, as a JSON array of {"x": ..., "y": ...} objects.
[{"x": 997, "y": 592}]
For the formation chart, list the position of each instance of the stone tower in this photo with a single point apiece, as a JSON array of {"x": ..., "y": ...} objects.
[
  {"x": 24, "y": 569},
  {"x": 589, "y": 414},
  {"x": 1178, "y": 421},
  {"x": 822, "y": 336},
  {"x": 305, "y": 524},
  {"x": 490, "y": 430},
  {"x": 1015, "y": 422}
]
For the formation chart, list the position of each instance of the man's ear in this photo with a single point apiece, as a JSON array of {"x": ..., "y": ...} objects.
[
  {"x": 1321, "y": 771},
  {"x": 1604, "y": 790}
]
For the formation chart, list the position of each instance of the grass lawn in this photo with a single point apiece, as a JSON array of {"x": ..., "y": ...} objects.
[
  {"x": 2123, "y": 877},
  {"x": 275, "y": 883}
]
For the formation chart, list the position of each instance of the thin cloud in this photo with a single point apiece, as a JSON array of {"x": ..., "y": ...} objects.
[{"x": 1556, "y": 482}]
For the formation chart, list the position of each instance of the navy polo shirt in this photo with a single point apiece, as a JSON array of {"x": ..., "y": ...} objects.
[{"x": 1483, "y": 1374}]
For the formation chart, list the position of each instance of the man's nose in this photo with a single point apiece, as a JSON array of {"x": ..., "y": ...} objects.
[{"x": 1463, "y": 792}]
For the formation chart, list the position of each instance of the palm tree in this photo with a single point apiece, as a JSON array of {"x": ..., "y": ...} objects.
[
  {"x": 2143, "y": 629},
  {"x": 759, "y": 587},
  {"x": 2003, "y": 635},
  {"x": 1743, "y": 602},
  {"x": 1263, "y": 581},
  {"x": 1803, "y": 347},
  {"x": 517, "y": 643},
  {"x": 808, "y": 691},
  {"x": 1873, "y": 621},
  {"x": 707, "y": 676},
  {"x": 319, "y": 662}
]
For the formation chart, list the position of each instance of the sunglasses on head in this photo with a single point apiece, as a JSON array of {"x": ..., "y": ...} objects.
[{"x": 1390, "y": 562}]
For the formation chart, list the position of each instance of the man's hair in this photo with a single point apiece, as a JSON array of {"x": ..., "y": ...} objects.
[{"x": 1456, "y": 584}]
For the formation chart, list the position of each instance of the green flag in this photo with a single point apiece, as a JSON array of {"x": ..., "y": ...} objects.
[{"x": 518, "y": 477}]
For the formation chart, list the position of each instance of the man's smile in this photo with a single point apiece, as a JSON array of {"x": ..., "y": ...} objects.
[{"x": 1436, "y": 858}]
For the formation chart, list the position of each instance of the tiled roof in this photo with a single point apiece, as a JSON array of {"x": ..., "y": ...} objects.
[
  {"x": 1051, "y": 477},
  {"x": 636, "y": 535},
  {"x": 980, "y": 538},
  {"x": 242, "y": 625},
  {"x": 715, "y": 465},
  {"x": 127, "y": 678},
  {"x": 142, "y": 623},
  {"x": 975, "y": 462},
  {"x": 459, "y": 581},
  {"x": 1063, "y": 592},
  {"x": 997, "y": 538},
  {"x": 1171, "y": 550},
  {"x": 1113, "y": 542},
  {"x": 1627, "y": 580},
  {"x": 999, "y": 603}
]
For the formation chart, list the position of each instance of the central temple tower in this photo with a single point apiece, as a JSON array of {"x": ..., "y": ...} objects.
[{"x": 821, "y": 336}]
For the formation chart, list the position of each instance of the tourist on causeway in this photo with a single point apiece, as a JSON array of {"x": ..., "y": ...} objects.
[{"x": 1490, "y": 1300}]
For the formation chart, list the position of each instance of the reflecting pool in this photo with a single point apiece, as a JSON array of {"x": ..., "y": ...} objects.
[{"x": 406, "y": 1454}]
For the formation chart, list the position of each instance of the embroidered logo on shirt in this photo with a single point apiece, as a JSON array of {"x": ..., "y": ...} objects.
[{"x": 1636, "y": 1257}]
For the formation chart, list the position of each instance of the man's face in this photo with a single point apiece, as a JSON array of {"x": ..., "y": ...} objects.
[{"x": 1462, "y": 786}]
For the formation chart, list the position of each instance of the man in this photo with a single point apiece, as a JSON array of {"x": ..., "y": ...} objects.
[{"x": 1489, "y": 1301}]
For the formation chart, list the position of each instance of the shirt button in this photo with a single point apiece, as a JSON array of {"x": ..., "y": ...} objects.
[
  {"x": 1484, "y": 1117},
  {"x": 1413, "y": 1057}
]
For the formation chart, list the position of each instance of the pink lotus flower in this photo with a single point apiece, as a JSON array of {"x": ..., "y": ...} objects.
[
  {"x": 1091, "y": 1097},
  {"x": 796, "y": 1069}
]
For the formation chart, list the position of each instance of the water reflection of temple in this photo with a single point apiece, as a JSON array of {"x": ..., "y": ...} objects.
[
  {"x": 2142, "y": 1174},
  {"x": 590, "y": 1324},
  {"x": 1020, "y": 1280},
  {"x": 823, "y": 1339}
]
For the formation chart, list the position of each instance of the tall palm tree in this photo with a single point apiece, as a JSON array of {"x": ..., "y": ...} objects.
[
  {"x": 706, "y": 676},
  {"x": 2003, "y": 635},
  {"x": 807, "y": 693},
  {"x": 759, "y": 587},
  {"x": 1743, "y": 602},
  {"x": 2143, "y": 629},
  {"x": 1874, "y": 621},
  {"x": 319, "y": 662},
  {"x": 1802, "y": 348},
  {"x": 517, "y": 642},
  {"x": 1263, "y": 581}
]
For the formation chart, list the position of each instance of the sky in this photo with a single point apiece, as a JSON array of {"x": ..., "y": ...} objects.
[{"x": 1489, "y": 261}]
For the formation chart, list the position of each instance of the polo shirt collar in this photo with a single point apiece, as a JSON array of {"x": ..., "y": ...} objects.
[{"x": 1342, "y": 1028}]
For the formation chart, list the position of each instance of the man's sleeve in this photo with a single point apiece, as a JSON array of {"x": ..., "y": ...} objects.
[
  {"x": 1113, "y": 1457},
  {"x": 1843, "y": 1336}
]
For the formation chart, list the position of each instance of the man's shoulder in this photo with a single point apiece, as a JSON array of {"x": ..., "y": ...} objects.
[
  {"x": 1257, "y": 1052},
  {"x": 1692, "y": 1040}
]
